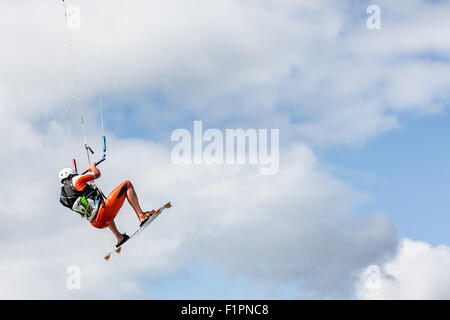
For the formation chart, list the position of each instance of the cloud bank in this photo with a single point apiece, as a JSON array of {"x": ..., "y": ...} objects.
[{"x": 418, "y": 271}]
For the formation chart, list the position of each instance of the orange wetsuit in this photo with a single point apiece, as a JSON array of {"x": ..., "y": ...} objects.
[{"x": 110, "y": 208}]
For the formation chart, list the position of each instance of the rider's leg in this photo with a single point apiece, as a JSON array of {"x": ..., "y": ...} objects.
[
  {"x": 117, "y": 234},
  {"x": 134, "y": 202},
  {"x": 114, "y": 202}
]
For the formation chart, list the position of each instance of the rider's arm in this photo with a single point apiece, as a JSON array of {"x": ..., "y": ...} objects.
[
  {"x": 93, "y": 168},
  {"x": 80, "y": 182}
]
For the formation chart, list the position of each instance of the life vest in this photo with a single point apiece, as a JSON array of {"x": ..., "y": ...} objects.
[{"x": 86, "y": 202}]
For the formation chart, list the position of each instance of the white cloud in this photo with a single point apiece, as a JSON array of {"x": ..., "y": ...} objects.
[
  {"x": 295, "y": 226},
  {"x": 417, "y": 271},
  {"x": 261, "y": 63}
]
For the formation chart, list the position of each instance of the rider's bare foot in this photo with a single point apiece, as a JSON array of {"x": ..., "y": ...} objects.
[{"x": 146, "y": 216}]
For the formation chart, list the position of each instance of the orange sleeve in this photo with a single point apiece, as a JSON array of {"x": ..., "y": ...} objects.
[{"x": 80, "y": 182}]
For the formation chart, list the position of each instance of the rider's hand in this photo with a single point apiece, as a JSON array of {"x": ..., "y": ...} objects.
[{"x": 92, "y": 167}]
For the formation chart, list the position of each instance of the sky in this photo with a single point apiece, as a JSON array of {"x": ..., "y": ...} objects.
[{"x": 357, "y": 209}]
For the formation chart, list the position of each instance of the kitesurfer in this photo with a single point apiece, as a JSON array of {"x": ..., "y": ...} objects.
[{"x": 79, "y": 194}]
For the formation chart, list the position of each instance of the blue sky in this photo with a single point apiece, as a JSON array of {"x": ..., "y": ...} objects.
[{"x": 405, "y": 172}]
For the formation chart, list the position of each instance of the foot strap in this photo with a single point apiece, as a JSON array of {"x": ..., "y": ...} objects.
[
  {"x": 125, "y": 238},
  {"x": 148, "y": 216}
]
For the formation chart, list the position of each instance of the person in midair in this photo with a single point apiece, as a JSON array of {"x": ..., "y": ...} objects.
[{"x": 83, "y": 197}]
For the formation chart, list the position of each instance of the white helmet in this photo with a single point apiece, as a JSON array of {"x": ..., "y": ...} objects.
[{"x": 65, "y": 173}]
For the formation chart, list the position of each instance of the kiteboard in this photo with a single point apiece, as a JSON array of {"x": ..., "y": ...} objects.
[{"x": 138, "y": 231}]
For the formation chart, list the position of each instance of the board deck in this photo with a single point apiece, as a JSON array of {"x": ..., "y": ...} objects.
[{"x": 138, "y": 231}]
